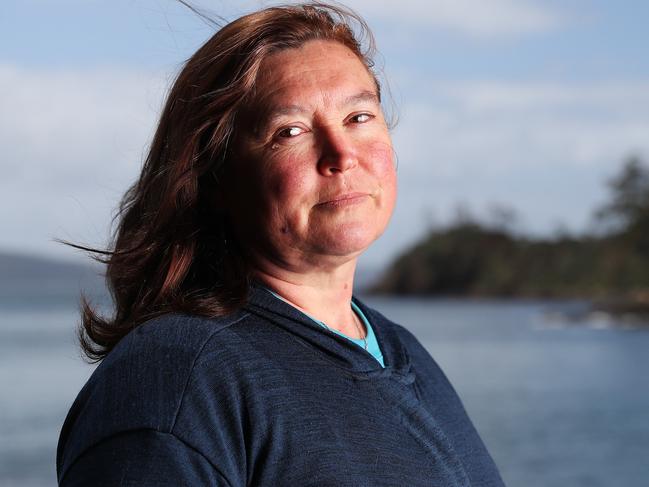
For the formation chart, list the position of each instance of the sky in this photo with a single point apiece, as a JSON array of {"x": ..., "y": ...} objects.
[{"x": 523, "y": 104}]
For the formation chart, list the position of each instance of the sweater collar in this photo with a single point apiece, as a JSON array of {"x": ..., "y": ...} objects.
[{"x": 339, "y": 351}]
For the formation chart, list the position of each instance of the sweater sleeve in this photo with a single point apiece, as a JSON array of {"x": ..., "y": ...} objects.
[{"x": 143, "y": 458}]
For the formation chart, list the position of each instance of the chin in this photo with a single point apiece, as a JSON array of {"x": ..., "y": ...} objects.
[{"x": 350, "y": 240}]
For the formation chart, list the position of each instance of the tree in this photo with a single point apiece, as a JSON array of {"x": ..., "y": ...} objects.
[{"x": 629, "y": 189}]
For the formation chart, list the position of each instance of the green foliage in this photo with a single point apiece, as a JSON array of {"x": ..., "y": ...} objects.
[
  {"x": 470, "y": 258},
  {"x": 629, "y": 203}
]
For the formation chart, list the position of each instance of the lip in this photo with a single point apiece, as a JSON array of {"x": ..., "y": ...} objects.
[{"x": 344, "y": 199}]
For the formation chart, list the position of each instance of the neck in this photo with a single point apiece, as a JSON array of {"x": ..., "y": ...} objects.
[{"x": 324, "y": 295}]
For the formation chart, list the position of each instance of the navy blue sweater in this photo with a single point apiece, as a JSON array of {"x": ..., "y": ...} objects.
[{"x": 266, "y": 397}]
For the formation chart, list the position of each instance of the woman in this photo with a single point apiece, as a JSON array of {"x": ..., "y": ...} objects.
[{"x": 237, "y": 355}]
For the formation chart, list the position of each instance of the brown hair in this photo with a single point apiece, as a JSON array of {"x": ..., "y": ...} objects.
[{"x": 172, "y": 250}]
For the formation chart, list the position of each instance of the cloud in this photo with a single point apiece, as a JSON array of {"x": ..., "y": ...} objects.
[
  {"x": 518, "y": 124},
  {"x": 476, "y": 18},
  {"x": 546, "y": 149},
  {"x": 72, "y": 141}
]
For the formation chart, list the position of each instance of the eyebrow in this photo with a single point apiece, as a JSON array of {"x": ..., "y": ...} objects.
[{"x": 363, "y": 96}]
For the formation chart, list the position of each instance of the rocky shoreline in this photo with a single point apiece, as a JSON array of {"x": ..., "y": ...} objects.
[
  {"x": 632, "y": 310},
  {"x": 610, "y": 312}
]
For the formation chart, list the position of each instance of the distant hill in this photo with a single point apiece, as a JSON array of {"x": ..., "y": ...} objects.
[
  {"x": 469, "y": 258},
  {"x": 26, "y": 267},
  {"x": 35, "y": 280}
]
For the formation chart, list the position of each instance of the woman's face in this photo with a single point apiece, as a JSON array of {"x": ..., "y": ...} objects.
[{"x": 313, "y": 179}]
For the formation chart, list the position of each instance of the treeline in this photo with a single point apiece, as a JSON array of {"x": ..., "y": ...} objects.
[{"x": 470, "y": 258}]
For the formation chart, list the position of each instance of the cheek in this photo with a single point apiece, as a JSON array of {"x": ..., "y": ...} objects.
[
  {"x": 381, "y": 159},
  {"x": 288, "y": 181},
  {"x": 380, "y": 154}
]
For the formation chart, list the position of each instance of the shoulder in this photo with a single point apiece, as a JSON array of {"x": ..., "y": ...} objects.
[
  {"x": 141, "y": 383},
  {"x": 169, "y": 340},
  {"x": 156, "y": 359}
]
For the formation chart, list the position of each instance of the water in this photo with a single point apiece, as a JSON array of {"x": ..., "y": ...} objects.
[
  {"x": 557, "y": 405},
  {"x": 40, "y": 374}
]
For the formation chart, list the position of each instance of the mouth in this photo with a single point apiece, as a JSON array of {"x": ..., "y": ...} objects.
[{"x": 344, "y": 199}]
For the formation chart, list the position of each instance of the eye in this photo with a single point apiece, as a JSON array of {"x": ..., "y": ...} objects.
[
  {"x": 361, "y": 118},
  {"x": 289, "y": 132}
]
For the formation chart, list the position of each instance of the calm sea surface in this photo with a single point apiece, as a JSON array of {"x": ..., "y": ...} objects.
[{"x": 557, "y": 404}]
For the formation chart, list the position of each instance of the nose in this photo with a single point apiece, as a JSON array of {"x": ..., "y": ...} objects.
[{"x": 338, "y": 152}]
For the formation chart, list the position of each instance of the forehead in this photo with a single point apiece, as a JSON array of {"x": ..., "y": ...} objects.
[{"x": 318, "y": 71}]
